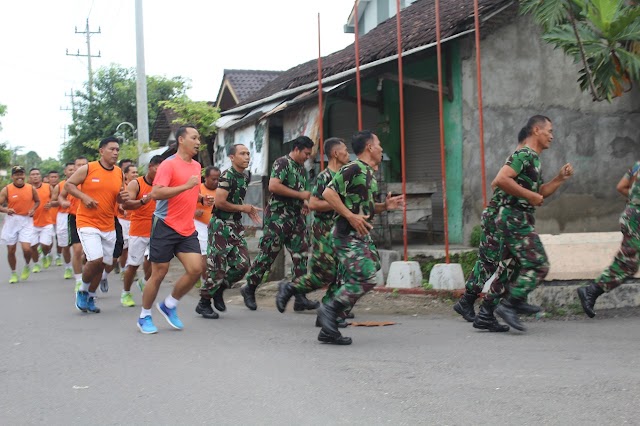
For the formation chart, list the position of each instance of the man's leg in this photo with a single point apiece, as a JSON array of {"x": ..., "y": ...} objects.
[
  {"x": 219, "y": 247},
  {"x": 158, "y": 272},
  {"x": 298, "y": 247},
  {"x": 11, "y": 256},
  {"x": 192, "y": 264}
]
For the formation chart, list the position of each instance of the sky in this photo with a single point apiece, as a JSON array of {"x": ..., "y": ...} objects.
[{"x": 189, "y": 38}]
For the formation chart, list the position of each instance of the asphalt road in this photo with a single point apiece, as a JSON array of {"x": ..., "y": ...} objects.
[{"x": 61, "y": 366}]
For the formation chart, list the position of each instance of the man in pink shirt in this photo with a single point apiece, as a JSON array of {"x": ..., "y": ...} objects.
[{"x": 176, "y": 191}]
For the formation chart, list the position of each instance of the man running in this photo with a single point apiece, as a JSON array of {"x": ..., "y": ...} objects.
[
  {"x": 62, "y": 222},
  {"x": 22, "y": 201},
  {"x": 176, "y": 191},
  {"x": 42, "y": 222},
  {"x": 101, "y": 186},
  {"x": 227, "y": 249},
  {"x": 140, "y": 207},
  {"x": 54, "y": 182},
  {"x": 203, "y": 213}
]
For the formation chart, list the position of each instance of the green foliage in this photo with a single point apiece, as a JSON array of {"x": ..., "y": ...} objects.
[
  {"x": 467, "y": 260},
  {"x": 5, "y": 155},
  {"x": 475, "y": 237},
  {"x": 395, "y": 293},
  {"x": 3, "y": 111},
  {"x": 200, "y": 114},
  {"x": 426, "y": 285},
  {"x": 29, "y": 160},
  {"x": 51, "y": 164},
  {"x": 113, "y": 101},
  {"x": 602, "y": 35},
  {"x": 129, "y": 149}
]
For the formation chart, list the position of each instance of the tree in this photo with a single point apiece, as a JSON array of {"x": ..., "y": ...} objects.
[
  {"x": 602, "y": 35},
  {"x": 5, "y": 155},
  {"x": 114, "y": 101},
  {"x": 29, "y": 160},
  {"x": 3, "y": 111},
  {"x": 128, "y": 149},
  {"x": 51, "y": 164}
]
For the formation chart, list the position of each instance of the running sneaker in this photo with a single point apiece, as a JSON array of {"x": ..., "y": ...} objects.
[
  {"x": 127, "y": 300},
  {"x": 116, "y": 268},
  {"x": 39, "y": 249},
  {"x": 171, "y": 315},
  {"x": 104, "y": 285},
  {"x": 46, "y": 261},
  {"x": 26, "y": 271},
  {"x": 146, "y": 325},
  {"x": 91, "y": 305},
  {"x": 77, "y": 287},
  {"x": 14, "y": 278},
  {"x": 141, "y": 285},
  {"x": 82, "y": 300},
  {"x": 37, "y": 268},
  {"x": 58, "y": 261},
  {"x": 198, "y": 283},
  {"x": 68, "y": 274}
]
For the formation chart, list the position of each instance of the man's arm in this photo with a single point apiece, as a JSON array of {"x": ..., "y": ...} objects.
[
  {"x": 36, "y": 199},
  {"x": 390, "y": 203},
  {"x": 277, "y": 187},
  {"x": 132, "y": 204},
  {"x": 358, "y": 222},
  {"x": 160, "y": 192},
  {"x": 624, "y": 186},
  {"x": 72, "y": 187},
  {"x": 3, "y": 199},
  {"x": 505, "y": 180},
  {"x": 318, "y": 205},
  {"x": 565, "y": 173},
  {"x": 55, "y": 193}
]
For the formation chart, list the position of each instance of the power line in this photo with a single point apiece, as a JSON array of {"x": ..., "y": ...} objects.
[{"x": 88, "y": 55}]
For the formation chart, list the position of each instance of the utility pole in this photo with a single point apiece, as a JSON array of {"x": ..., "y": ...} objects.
[
  {"x": 141, "y": 82},
  {"x": 73, "y": 104},
  {"x": 88, "y": 55}
]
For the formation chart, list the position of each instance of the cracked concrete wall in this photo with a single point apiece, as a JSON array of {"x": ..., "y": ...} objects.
[{"x": 524, "y": 76}]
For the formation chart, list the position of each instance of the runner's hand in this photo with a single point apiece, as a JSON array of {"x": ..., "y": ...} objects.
[
  {"x": 394, "y": 203},
  {"x": 360, "y": 224},
  {"x": 193, "y": 181},
  {"x": 10, "y": 211},
  {"x": 89, "y": 202},
  {"x": 47, "y": 206},
  {"x": 305, "y": 195},
  {"x": 305, "y": 208},
  {"x": 535, "y": 199},
  {"x": 65, "y": 204},
  {"x": 254, "y": 214},
  {"x": 32, "y": 212},
  {"x": 199, "y": 213},
  {"x": 208, "y": 200},
  {"x": 566, "y": 171}
]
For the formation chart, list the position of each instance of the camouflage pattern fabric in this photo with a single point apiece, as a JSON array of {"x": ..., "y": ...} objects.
[
  {"x": 235, "y": 183},
  {"x": 291, "y": 175},
  {"x": 634, "y": 192},
  {"x": 227, "y": 256},
  {"x": 526, "y": 163},
  {"x": 519, "y": 241}
]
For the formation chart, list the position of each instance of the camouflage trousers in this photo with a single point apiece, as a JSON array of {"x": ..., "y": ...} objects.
[
  {"x": 227, "y": 256},
  {"x": 520, "y": 242},
  {"x": 280, "y": 229},
  {"x": 625, "y": 264},
  {"x": 360, "y": 261},
  {"x": 490, "y": 261},
  {"x": 323, "y": 264}
]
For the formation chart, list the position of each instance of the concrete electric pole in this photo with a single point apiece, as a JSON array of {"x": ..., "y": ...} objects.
[
  {"x": 141, "y": 82},
  {"x": 88, "y": 55}
]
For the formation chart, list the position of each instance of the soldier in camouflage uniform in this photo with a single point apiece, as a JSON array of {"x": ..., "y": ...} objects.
[
  {"x": 521, "y": 180},
  {"x": 284, "y": 222},
  {"x": 625, "y": 264},
  {"x": 352, "y": 193},
  {"x": 323, "y": 265},
  {"x": 227, "y": 253}
]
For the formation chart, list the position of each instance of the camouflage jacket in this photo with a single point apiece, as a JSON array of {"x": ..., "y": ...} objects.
[
  {"x": 292, "y": 175},
  {"x": 634, "y": 191},
  {"x": 236, "y": 184},
  {"x": 323, "y": 179},
  {"x": 526, "y": 163}
]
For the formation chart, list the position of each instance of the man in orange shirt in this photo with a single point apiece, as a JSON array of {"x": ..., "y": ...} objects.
[
  {"x": 102, "y": 185},
  {"x": 42, "y": 222},
  {"x": 22, "y": 201},
  {"x": 62, "y": 222},
  {"x": 203, "y": 213},
  {"x": 54, "y": 181},
  {"x": 140, "y": 207}
]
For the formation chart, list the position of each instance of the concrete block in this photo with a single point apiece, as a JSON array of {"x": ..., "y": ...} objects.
[
  {"x": 404, "y": 275},
  {"x": 447, "y": 276},
  {"x": 387, "y": 257}
]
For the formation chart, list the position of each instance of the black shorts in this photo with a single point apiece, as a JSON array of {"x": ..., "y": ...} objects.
[
  {"x": 166, "y": 243},
  {"x": 73, "y": 230},
  {"x": 117, "y": 250}
]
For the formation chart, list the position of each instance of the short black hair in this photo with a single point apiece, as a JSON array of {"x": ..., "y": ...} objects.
[
  {"x": 360, "y": 140},
  {"x": 107, "y": 140},
  {"x": 70, "y": 163},
  {"x": 522, "y": 134},
  {"x": 231, "y": 150},
  {"x": 534, "y": 121},
  {"x": 182, "y": 130},
  {"x": 129, "y": 166},
  {"x": 155, "y": 160},
  {"x": 331, "y": 144},
  {"x": 301, "y": 142},
  {"x": 34, "y": 168},
  {"x": 210, "y": 169},
  {"x": 124, "y": 160},
  {"x": 53, "y": 171},
  {"x": 82, "y": 157}
]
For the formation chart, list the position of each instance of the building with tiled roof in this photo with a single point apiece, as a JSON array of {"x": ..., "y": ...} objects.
[{"x": 239, "y": 85}]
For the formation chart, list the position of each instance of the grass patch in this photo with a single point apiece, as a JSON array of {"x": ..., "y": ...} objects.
[{"x": 467, "y": 260}]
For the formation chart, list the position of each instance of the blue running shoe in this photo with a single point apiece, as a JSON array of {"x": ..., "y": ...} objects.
[
  {"x": 82, "y": 300},
  {"x": 91, "y": 306},
  {"x": 146, "y": 325},
  {"x": 170, "y": 315}
]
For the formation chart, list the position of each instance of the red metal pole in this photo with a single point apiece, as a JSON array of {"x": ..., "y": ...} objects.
[
  {"x": 483, "y": 171},
  {"x": 320, "y": 103},
  {"x": 443, "y": 162},
  {"x": 402, "y": 147},
  {"x": 357, "y": 45}
]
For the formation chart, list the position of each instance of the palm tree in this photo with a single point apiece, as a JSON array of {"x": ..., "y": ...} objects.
[{"x": 602, "y": 35}]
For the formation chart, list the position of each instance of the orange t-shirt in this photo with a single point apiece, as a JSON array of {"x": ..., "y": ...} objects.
[
  {"x": 103, "y": 186},
  {"x": 206, "y": 217},
  {"x": 42, "y": 216},
  {"x": 20, "y": 199},
  {"x": 61, "y": 188},
  {"x": 53, "y": 211},
  {"x": 142, "y": 218}
]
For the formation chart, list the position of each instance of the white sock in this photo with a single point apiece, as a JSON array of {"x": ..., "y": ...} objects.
[
  {"x": 92, "y": 294},
  {"x": 67, "y": 265},
  {"x": 145, "y": 313},
  {"x": 105, "y": 274},
  {"x": 84, "y": 286},
  {"x": 125, "y": 292},
  {"x": 78, "y": 277},
  {"x": 13, "y": 271},
  {"x": 170, "y": 302}
]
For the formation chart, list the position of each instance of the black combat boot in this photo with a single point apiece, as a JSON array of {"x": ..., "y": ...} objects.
[
  {"x": 328, "y": 315},
  {"x": 526, "y": 309},
  {"x": 588, "y": 296},
  {"x": 486, "y": 321},
  {"x": 304, "y": 304},
  {"x": 465, "y": 306},
  {"x": 285, "y": 291},
  {"x": 204, "y": 308},
  {"x": 218, "y": 299},
  {"x": 507, "y": 310},
  {"x": 349, "y": 315},
  {"x": 248, "y": 293},
  {"x": 336, "y": 340},
  {"x": 341, "y": 323}
]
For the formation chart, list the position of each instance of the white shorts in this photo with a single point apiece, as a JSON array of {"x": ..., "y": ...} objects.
[
  {"x": 42, "y": 235},
  {"x": 16, "y": 228},
  {"x": 126, "y": 224},
  {"x": 203, "y": 235},
  {"x": 62, "y": 229},
  {"x": 97, "y": 244},
  {"x": 138, "y": 249}
]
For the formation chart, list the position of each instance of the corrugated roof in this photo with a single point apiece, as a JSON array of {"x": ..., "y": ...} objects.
[{"x": 246, "y": 83}]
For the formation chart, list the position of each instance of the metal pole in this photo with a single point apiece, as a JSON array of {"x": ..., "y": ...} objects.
[
  {"x": 443, "y": 162},
  {"x": 358, "y": 87},
  {"x": 483, "y": 170},
  {"x": 320, "y": 103},
  {"x": 402, "y": 147},
  {"x": 141, "y": 82},
  {"x": 89, "y": 61}
]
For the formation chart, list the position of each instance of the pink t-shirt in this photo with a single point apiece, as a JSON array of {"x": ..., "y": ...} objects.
[{"x": 177, "y": 212}]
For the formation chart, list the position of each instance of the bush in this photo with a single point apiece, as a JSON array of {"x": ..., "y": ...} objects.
[
  {"x": 467, "y": 260},
  {"x": 476, "y": 235}
]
